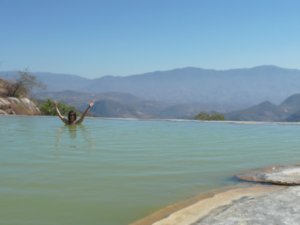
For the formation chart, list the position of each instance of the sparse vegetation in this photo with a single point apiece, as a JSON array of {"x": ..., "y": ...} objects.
[
  {"x": 24, "y": 84},
  {"x": 47, "y": 108},
  {"x": 207, "y": 116}
]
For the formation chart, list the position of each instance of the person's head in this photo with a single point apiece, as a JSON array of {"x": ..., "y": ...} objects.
[{"x": 72, "y": 116}]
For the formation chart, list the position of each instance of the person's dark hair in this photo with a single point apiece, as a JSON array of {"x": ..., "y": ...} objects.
[{"x": 70, "y": 114}]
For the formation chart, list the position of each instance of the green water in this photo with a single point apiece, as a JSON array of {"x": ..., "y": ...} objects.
[{"x": 112, "y": 172}]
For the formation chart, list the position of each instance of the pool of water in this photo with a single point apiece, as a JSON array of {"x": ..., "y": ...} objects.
[{"x": 113, "y": 172}]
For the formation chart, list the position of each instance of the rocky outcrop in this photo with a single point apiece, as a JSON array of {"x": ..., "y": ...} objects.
[
  {"x": 280, "y": 207},
  {"x": 248, "y": 203},
  {"x": 4, "y": 85},
  {"x": 284, "y": 175},
  {"x": 12, "y": 105},
  {"x": 212, "y": 204},
  {"x": 18, "y": 106}
]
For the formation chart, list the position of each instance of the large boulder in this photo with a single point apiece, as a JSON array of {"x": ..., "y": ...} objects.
[{"x": 284, "y": 175}]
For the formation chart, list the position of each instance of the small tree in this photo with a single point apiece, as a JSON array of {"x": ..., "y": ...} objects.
[
  {"x": 206, "y": 116},
  {"x": 202, "y": 116},
  {"x": 217, "y": 116},
  {"x": 47, "y": 108},
  {"x": 24, "y": 84}
]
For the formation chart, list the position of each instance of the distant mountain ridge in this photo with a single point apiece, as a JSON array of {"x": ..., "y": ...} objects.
[
  {"x": 226, "y": 90},
  {"x": 288, "y": 110},
  {"x": 114, "y": 104},
  {"x": 265, "y": 111},
  {"x": 240, "y": 87}
]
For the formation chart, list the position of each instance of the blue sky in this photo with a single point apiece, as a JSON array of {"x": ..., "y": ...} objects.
[{"x": 123, "y": 37}]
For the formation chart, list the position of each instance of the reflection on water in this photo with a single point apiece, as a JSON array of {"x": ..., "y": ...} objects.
[
  {"x": 73, "y": 130},
  {"x": 74, "y": 136}
]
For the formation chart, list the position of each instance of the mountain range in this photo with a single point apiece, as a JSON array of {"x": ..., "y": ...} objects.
[
  {"x": 122, "y": 105},
  {"x": 175, "y": 93},
  {"x": 288, "y": 110}
]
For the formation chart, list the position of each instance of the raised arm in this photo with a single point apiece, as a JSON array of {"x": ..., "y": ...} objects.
[
  {"x": 59, "y": 114},
  {"x": 85, "y": 112}
]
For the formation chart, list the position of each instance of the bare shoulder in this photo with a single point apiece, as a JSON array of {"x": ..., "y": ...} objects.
[{"x": 65, "y": 120}]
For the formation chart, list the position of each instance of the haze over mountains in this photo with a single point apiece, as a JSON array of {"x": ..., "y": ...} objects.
[
  {"x": 189, "y": 89},
  {"x": 288, "y": 111}
]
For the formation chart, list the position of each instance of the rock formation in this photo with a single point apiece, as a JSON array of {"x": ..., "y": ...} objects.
[
  {"x": 12, "y": 105},
  {"x": 285, "y": 175},
  {"x": 280, "y": 207},
  {"x": 252, "y": 204}
]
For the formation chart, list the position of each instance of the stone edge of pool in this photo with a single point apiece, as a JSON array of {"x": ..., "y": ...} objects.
[
  {"x": 191, "y": 210},
  {"x": 277, "y": 179}
]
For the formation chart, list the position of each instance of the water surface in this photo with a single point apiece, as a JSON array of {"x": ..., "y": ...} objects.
[{"x": 113, "y": 172}]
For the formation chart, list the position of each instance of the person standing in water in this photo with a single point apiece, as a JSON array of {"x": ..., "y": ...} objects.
[{"x": 72, "y": 117}]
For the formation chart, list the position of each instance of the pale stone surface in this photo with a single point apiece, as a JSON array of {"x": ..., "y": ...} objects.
[
  {"x": 4, "y": 103},
  {"x": 280, "y": 207},
  {"x": 255, "y": 205},
  {"x": 191, "y": 214},
  {"x": 2, "y": 112},
  {"x": 20, "y": 106},
  {"x": 13, "y": 100},
  {"x": 12, "y": 105},
  {"x": 29, "y": 104},
  {"x": 286, "y": 175}
]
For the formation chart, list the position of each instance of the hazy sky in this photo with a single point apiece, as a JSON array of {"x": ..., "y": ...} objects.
[{"x": 123, "y": 37}]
